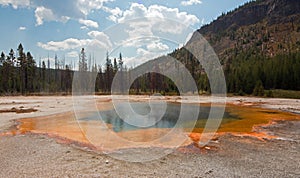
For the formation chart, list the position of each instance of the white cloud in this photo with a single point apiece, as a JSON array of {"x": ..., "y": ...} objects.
[
  {"x": 146, "y": 25},
  {"x": 98, "y": 41},
  {"x": 157, "y": 47},
  {"x": 89, "y": 23},
  {"x": 67, "y": 44},
  {"x": 160, "y": 12},
  {"x": 143, "y": 55},
  {"x": 145, "y": 50},
  {"x": 57, "y": 10},
  {"x": 171, "y": 20},
  {"x": 115, "y": 13},
  {"x": 86, "y": 6},
  {"x": 15, "y": 3},
  {"x": 135, "y": 11},
  {"x": 140, "y": 28},
  {"x": 73, "y": 54},
  {"x": 22, "y": 28},
  {"x": 101, "y": 37},
  {"x": 144, "y": 21},
  {"x": 43, "y": 14},
  {"x": 84, "y": 28},
  {"x": 190, "y": 2}
]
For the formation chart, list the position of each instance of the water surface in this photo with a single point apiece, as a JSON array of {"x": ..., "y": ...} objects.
[{"x": 169, "y": 119}]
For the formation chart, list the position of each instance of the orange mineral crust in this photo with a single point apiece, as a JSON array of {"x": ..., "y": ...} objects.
[{"x": 98, "y": 135}]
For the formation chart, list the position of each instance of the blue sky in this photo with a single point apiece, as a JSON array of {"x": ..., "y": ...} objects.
[{"x": 141, "y": 29}]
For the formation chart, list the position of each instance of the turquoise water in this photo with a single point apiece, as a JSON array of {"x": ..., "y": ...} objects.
[{"x": 169, "y": 119}]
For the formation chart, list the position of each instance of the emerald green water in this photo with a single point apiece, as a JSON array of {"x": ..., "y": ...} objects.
[{"x": 169, "y": 119}]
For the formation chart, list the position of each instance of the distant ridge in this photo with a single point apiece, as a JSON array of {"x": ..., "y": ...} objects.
[
  {"x": 268, "y": 26},
  {"x": 258, "y": 45}
]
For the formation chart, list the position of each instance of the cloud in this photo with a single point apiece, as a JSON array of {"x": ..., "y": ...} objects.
[
  {"x": 99, "y": 40},
  {"x": 148, "y": 49},
  {"x": 43, "y": 14},
  {"x": 140, "y": 28},
  {"x": 22, "y": 28},
  {"x": 157, "y": 11},
  {"x": 171, "y": 17},
  {"x": 101, "y": 37},
  {"x": 190, "y": 2},
  {"x": 89, "y": 23},
  {"x": 115, "y": 13},
  {"x": 143, "y": 25},
  {"x": 86, "y": 6},
  {"x": 144, "y": 21},
  {"x": 157, "y": 47},
  {"x": 135, "y": 11},
  {"x": 57, "y": 10},
  {"x": 67, "y": 44},
  {"x": 143, "y": 55},
  {"x": 15, "y": 3},
  {"x": 84, "y": 28},
  {"x": 73, "y": 54}
]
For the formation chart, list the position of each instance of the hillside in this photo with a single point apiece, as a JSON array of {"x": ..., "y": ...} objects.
[
  {"x": 257, "y": 44},
  {"x": 269, "y": 27}
]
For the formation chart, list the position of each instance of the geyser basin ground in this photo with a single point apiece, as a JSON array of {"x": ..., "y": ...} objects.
[
  {"x": 238, "y": 120},
  {"x": 244, "y": 156}
]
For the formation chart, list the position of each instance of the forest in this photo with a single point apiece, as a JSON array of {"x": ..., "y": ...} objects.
[{"x": 246, "y": 73}]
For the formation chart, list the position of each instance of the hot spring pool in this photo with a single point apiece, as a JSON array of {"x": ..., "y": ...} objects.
[{"x": 168, "y": 120}]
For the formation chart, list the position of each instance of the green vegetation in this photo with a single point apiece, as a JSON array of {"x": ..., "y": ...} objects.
[
  {"x": 246, "y": 74},
  {"x": 20, "y": 75},
  {"x": 254, "y": 73},
  {"x": 284, "y": 94}
]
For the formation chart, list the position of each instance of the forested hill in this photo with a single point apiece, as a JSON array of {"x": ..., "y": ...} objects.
[
  {"x": 268, "y": 26},
  {"x": 258, "y": 45}
]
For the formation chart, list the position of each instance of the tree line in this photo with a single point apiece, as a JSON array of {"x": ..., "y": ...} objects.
[
  {"x": 249, "y": 72},
  {"x": 246, "y": 73},
  {"x": 252, "y": 74},
  {"x": 20, "y": 74}
]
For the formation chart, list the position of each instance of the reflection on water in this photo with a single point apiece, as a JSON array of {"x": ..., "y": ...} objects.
[{"x": 168, "y": 120}]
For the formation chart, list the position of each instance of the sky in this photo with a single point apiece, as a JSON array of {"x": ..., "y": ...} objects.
[{"x": 139, "y": 29}]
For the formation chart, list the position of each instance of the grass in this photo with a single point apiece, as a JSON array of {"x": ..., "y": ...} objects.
[{"x": 284, "y": 94}]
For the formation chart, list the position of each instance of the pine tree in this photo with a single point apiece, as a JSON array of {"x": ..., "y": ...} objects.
[
  {"x": 108, "y": 73},
  {"x": 120, "y": 63},
  {"x": 115, "y": 67},
  {"x": 22, "y": 63},
  {"x": 43, "y": 75},
  {"x": 83, "y": 61},
  {"x": 259, "y": 89},
  {"x": 2, "y": 58},
  {"x": 30, "y": 73}
]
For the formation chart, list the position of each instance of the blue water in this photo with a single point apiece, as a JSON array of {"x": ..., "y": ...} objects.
[{"x": 169, "y": 119}]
